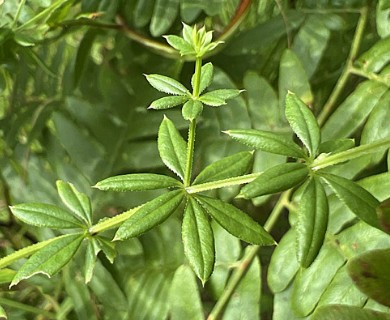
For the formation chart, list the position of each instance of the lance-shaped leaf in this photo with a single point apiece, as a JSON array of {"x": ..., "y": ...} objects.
[
  {"x": 180, "y": 45},
  {"x": 192, "y": 109},
  {"x": 91, "y": 253},
  {"x": 303, "y": 123},
  {"x": 46, "y": 215},
  {"x": 137, "y": 182},
  {"x": 268, "y": 142},
  {"x": 168, "y": 102},
  {"x": 206, "y": 76},
  {"x": 236, "y": 222},
  {"x": 218, "y": 98},
  {"x": 166, "y": 84},
  {"x": 338, "y": 145},
  {"x": 360, "y": 201},
  {"x": 172, "y": 147},
  {"x": 345, "y": 312},
  {"x": 76, "y": 201},
  {"x": 276, "y": 179},
  {"x": 231, "y": 166},
  {"x": 198, "y": 240},
  {"x": 370, "y": 272},
  {"x": 3, "y": 314},
  {"x": 312, "y": 221},
  {"x": 150, "y": 215},
  {"x": 50, "y": 259},
  {"x": 108, "y": 247}
]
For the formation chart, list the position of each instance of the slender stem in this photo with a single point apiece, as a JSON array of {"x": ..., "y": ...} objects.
[
  {"x": 18, "y": 12},
  {"x": 370, "y": 75},
  {"x": 112, "y": 222},
  {"x": 223, "y": 183},
  {"x": 250, "y": 255},
  {"x": 350, "y": 154},
  {"x": 192, "y": 128},
  {"x": 342, "y": 81}
]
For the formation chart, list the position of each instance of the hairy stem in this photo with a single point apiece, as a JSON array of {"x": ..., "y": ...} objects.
[
  {"x": 342, "y": 81},
  {"x": 245, "y": 263}
]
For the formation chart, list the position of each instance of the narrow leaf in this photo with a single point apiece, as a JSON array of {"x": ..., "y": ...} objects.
[
  {"x": 218, "y": 98},
  {"x": 164, "y": 14},
  {"x": 198, "y": 240},
  {"x": 76, "y": 201},
  {"x": 137, "y": 182},
  {"x": 312, "y": 221},
  {"x": 168, "y": 102},
  {"x": 376, "y": 57},
  {"x": 50, "y": 259},
  {"x": 184, "y": 300},
  {"x": 229, "y": 167},
  {"x": 108, "y": 247},
  {"x": 344, "y": 312},
  {"x": 172, "y": 147},
  {"x": 276, "y": 179},
  {"x": 360, "y": 201},
  {"x": 338, "y": 145},
  {"x": 303, "y": 123},
  {"x": 166, "y": 84},
  {"x": 3, "y": 314},
  {"x": 150, "y": 215},
  {"x": 268, "y": 142},
  {"x": 206, "y": 76},
  {"x": 370, "y": 273},
  {"x": 45, "y": 215},
  {"x": 236, "y": 221},
  {"x": 90, "y": 258},
  {"x": 180, "y": 45},
  {"x": 192, "y": 109}
]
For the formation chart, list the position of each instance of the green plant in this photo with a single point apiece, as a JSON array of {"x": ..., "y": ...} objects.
[{"x": 134, "y": 260}]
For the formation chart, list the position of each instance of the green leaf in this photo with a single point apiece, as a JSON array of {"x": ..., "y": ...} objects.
[
  {"x": 293, "y": 77},
  {"x": 192, "y": 109},
  {"x": 312, "y": 221},
  {"x": 150, "y": 215},
  {"x": 46, "y": 215},
  {"x": 268, "y": 142},
  {"x": 166, "y": 84},
  {"x": 360, "y": 201},
  {"x": 343, "y": 312},
  {"x": 198, "y": 240},
  {"x": 376, "y": 57},
  {"x": 143, "y": 12},
  {"x": 370, "y": 273},
  {"x": 76, "y": 201},
  {"x": 236, "y": 222},
  {"x": 50, "y": 259},
  {"x": 384, "y": 214},
  {"x": 184, "y": 300},
  {"x": 231, "y": 166},
  {"x": 383, "y": 19},
  {"x": 164, "y": 15},
  {"x": 137, "y": 182},
  {"x": 91, "y": 253},
  {"x": 354, "y": 110},
  {"x": 168, "y": 102},
  {"x": 303, "y": 123},
  {"x": 338, "y": 145},
  {"x": 180, "y": 45},
  {"x": 218, "y": 98},
  {"x": 108, "y": 248},
  {"x": 276, "y": 179},
  {"x": 284, "y": 264},
  {"x": 6, "y": 275},
  {"x": 206, "y": 76},
  {"x": 3, "y": 314},
  {"x": 315, "y": 280},
  {"x": 172, "y": 147}
]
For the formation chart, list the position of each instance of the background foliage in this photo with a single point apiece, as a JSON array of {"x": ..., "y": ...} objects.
[{"x": 73, "y": 106}]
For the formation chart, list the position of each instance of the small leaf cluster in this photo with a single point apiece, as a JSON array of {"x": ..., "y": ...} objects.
[{"x": 309, "y": 175}]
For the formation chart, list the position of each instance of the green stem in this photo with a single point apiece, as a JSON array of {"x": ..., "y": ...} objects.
[
  {"x": 245, "y": 263},
  {"x": 342, "y": 81},
  {"x": 18, "y": 12},
  {"x": 350, "y": 154},
  {"x": 370, "y": 75},
  {"x": 223, "y": 183},
  {"x": 27, "y": 251},
  {"x": 27, "y": 308},
  {"x": 192, "y": 128},
  {"x": 112, "y": 222}
]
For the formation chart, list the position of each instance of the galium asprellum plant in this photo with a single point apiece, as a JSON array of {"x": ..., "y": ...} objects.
[{"x": 306, "y": 174}]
